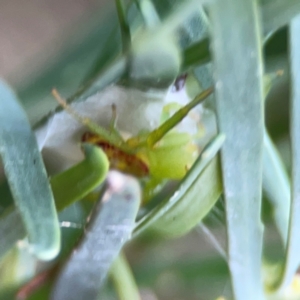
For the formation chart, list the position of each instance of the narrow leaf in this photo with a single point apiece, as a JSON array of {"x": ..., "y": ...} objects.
[
  {"x": 27, "y": 176},
  {"x": 196, "y": 195},
  {"x": 277, "y": 13},
  {"x": 292, "y": 261},
  {"x": 196, "y": 54},
  {"x": 69, "y": 186},
  {"x": 111, "y": 226},
  {"x": 276, "y": 187},
  {"x": 239, "y": 101},
  {"x": 199, "y": 199}
]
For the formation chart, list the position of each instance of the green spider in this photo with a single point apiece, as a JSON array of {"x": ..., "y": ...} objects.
[{"x": 163, "y": 153}]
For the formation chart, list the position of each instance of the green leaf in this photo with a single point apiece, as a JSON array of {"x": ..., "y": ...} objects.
[
  {"x": 26, "y": 174},
  {"x": 197, "y": 202},
  {"x": 277, "y": 13},
  {"x": 276, "y": 186},
  {"x": 111, "y": 226},
  {"x": 292, "y": 260},
  {"x": 180, "y": 213},
  {"x": 69, "y": 186},
  {"x": 99, "y": 37},
  {"x": 78, "y": 181},
  {"x": 196, "y": 54},
  {"x": 239, "y": 101}
]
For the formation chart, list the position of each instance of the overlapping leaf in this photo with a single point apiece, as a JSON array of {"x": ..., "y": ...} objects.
[{"x": 26, "y": 174}]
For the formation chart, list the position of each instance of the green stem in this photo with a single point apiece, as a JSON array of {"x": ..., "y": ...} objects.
[{"x": 123, "y": 280}]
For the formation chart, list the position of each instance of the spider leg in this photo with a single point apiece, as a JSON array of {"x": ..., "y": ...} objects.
[
  {"x": 157, "y": 134},
  {"x": 91, "y": 125},
  {"x": 113, "y": 123}
]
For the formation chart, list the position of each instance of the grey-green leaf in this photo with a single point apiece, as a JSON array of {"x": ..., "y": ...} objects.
[
  {"x": 111, "y": 226},
  {"x": 69, "y": 186},
  {"x": 276, "y": 187},
  {"x": 292, "y": 261},
  {"x": 26, "y": 174},
  {"x": 277, "y": 13},
  {"x": 239, "y": 100}
]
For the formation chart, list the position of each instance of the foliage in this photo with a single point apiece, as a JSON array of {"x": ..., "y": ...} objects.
[{"x": 139, "y": 55}]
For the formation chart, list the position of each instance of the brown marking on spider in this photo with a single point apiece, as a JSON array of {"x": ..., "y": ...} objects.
[{"x": 119, "y": 160}]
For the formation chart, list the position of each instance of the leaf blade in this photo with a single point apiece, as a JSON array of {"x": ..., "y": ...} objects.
[
  {"x": 92, "y": 170},
  {"x": 175, "y": 207},
  {"x": 239, "y": 102},
  {"x": 277, "y": 13},
  {"x": 112, "y": 224},
  {"x": 292, "y": 259},
  {"x": 27, "y": 177},
  {"x": 276, "y": 187}
]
